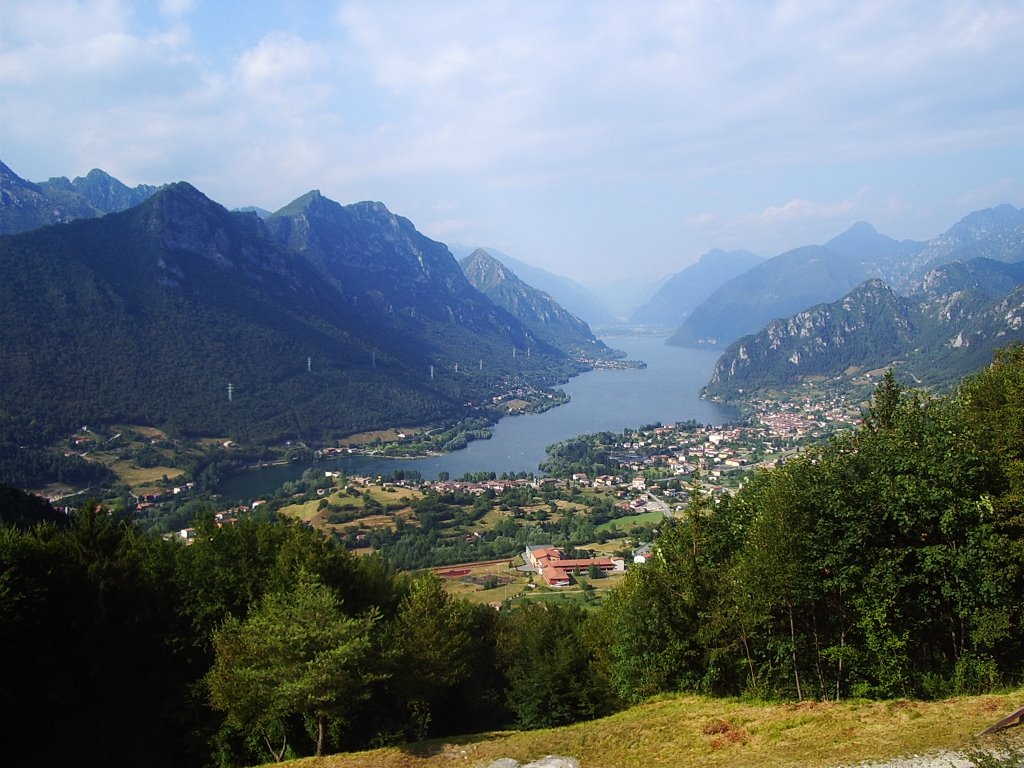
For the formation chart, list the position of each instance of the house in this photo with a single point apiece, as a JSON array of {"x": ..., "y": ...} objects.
[{"x": 642, "y": 553}]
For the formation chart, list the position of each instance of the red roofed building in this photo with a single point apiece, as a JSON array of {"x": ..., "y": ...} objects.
[{"x": 556, "y": 569}]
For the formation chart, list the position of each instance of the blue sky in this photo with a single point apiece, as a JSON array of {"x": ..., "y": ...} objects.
[{"x": 597, "y": 139}]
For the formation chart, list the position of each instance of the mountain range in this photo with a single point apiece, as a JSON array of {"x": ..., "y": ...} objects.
[
  {"x": 948, "y": 325},
  {"x": 791, "y": 282},
  {"x": 321, "y": 320},
  {"x": 25, "y": 205},
  {"x": 144, "y": 304},
  {"x": 804, "y": 277}
]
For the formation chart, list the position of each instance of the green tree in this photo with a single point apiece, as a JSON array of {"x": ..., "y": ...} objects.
[
  {"x": 295, "y": 654},
  {"x": 551, "y": 666},
  {"x": 429, "y": 647}
]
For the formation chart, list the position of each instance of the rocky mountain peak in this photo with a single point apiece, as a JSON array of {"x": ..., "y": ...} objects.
[{"x": 484, "y": 271}]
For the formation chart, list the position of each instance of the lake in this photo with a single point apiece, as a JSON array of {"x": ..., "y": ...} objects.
[{"x": 667, "y": 390}]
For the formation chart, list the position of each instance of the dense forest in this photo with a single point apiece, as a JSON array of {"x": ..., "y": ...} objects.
[{"x": 889, "y": 562}]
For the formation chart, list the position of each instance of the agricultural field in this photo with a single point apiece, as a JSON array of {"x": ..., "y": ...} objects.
[
  {"x": 372, "y": 506},
  {"x": 141, "y": 457}
]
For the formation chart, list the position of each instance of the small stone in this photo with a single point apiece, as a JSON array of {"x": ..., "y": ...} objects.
[{"x": 554, "y": 761}]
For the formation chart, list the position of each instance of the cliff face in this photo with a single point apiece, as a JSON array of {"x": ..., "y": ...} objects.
[
  {"x": 946, "y": 328},
  {"x": 868, "y": 326}
]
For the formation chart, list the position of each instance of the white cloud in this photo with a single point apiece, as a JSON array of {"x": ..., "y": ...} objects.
[
  {"x": 176, "y": 8},
  {"x": 54, "y": 23},
  {"x": 799, "y": 209},
  {"x": 279, "y": 60}
]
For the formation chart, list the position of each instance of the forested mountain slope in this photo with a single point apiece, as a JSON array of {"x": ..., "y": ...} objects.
[
  {"x": 574, "y": 297},
  {"x": 536, "y": 309}
]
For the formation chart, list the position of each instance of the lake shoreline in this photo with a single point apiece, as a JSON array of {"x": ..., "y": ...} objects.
[{"x": 666, "y": 390}]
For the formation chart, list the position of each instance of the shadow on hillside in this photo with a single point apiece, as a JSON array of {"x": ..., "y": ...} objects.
[
  {"x": 435, "y": 747},
  {"x": 422, "y": 749}
]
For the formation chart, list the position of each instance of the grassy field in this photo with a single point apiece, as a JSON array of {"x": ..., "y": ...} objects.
[
  {"x": 691, "y": 731},
  {"x": 631, "y": 521},
  {"x": 379, "y": 436},
  {"x": 140, "y": 478}
]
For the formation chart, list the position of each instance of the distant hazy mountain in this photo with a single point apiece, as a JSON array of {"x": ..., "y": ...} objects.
[
  {"x": 625, "y": 293},
  {"x": 25, "y": 205},
  {"x": 685, "y": 290},
  {"x": 263, "y": 213},
  {"x": 993, "y": 233},
  {"x": 326, "y": 319},
  {"x": 536, "y": 309},
  {"x": 574, "y": 297},
  {"x": 790, "y": 282}
]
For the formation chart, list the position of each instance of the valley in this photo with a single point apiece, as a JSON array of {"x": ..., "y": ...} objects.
[
  {"x": 512, "y": 385},
  {"x": 309, "y": 445}
]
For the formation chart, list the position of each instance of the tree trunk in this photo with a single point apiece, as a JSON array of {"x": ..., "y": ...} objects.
[
  {"x": 277, "y": 755},
  {"x": 750, "y": 660},
  {"x": 792, "y": 638},
  {"x": 321, "y": 722}
]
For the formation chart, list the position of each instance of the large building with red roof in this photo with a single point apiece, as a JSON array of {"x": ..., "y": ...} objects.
[{"x": 557, "y": 570}]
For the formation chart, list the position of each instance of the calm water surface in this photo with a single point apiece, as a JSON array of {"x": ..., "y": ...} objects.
[{"x": 666, "y": 391}]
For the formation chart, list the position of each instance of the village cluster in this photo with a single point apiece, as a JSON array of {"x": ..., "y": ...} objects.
[{"x": 658, "y": 468}]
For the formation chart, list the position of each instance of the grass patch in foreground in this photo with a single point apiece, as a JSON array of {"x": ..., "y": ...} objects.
[{"x": 692, "y": 731}]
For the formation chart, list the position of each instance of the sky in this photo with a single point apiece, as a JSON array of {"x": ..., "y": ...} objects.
[{"x": 603, "y": 140}]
